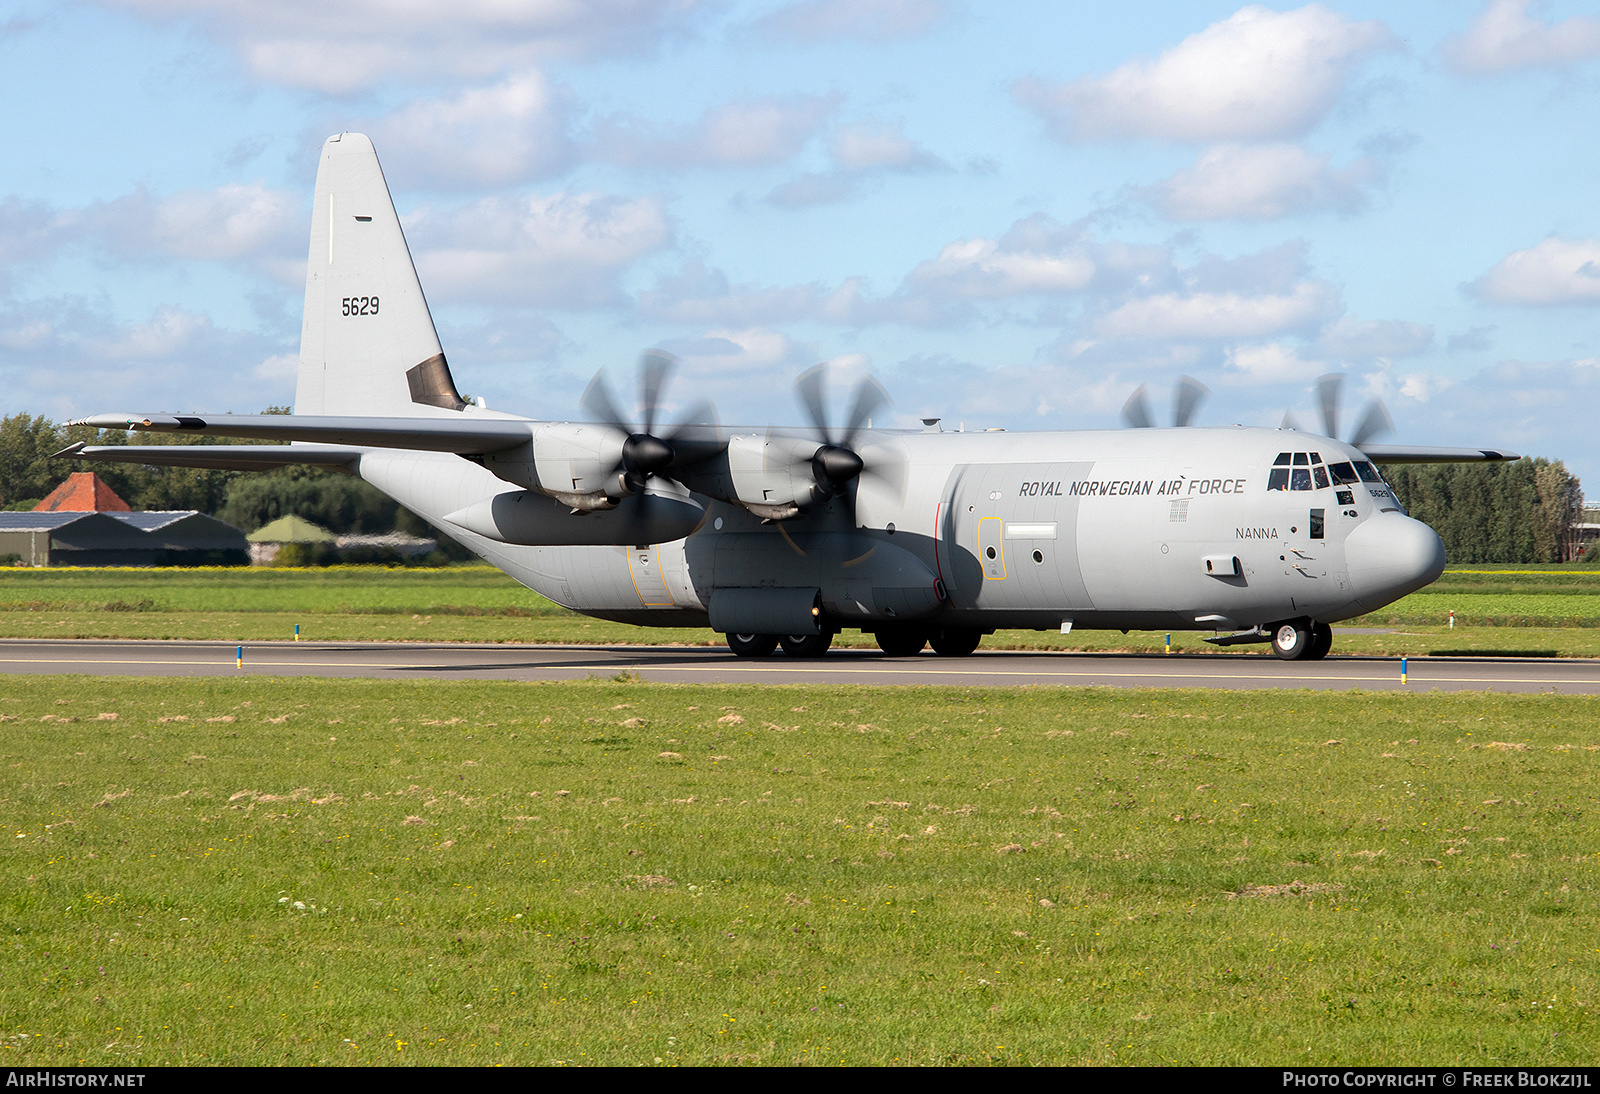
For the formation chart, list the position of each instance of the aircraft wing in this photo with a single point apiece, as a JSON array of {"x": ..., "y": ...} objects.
[
  {"x": 463, "y": 436},
  {"x": 220, "y": 457},
  {"x": 1410, "y": 453}
]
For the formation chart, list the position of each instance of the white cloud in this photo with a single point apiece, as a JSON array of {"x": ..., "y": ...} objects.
[
  {"x": 1259, "y": 75},
  {"x": 816, "y": 188},
  {"x": 698, "y": 294},
  {"x": 508, "y": 132},
  {"x": 351, "y": 45},
  {"x": 1423, "y": 386},
  {"x": 811, "y": 21},
  {"x": 64, "y": 357},
  {"x": 1220, "y": 314},
  {"x": 1272, "y": 363},
  {"x": 866, "y": 146},
  {"x": 230, "y": 222},
  {"x": 237, "y": 222},
  {"x": 1504, "y": 37},
  {"x": 859, "y": 151},
  {"x": 1556, "y": 271},
  {"x": 1035, "y": 257},
  {"x": 284, "y": 367},
  {"x": 750, "y": 133},
  {"x": 1260, "y": 182},
  {"x": 560, "y": 250},
  {"x": 1355, "y": 338}
]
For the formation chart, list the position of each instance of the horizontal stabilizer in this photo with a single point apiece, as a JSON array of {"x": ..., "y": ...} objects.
[
  {"x": 1410, "y": 453},
  {"x": 217, "y": 457},
  {"x": 459, "y": 434}
]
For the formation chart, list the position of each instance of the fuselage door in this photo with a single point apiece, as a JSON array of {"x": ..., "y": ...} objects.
[
  {"x": 992, "y": 548},
  {"x": 644, "y": 564}
]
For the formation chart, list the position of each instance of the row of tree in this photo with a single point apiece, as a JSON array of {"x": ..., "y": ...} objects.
[
  {"x": 1517, "y": 512},
  {"x": 1526, "y": 511},
  {"x": 338, "y": 502}
]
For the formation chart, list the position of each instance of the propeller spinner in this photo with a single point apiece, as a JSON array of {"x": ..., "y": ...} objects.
[
  {"x": 837, "y": 461},
  {"x": 643, "y": 452}
]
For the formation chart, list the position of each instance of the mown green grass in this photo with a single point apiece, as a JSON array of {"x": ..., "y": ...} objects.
[
  {"x": 337, "y": 589},
  {"x": 1555, "y": 610},
  {"x": 313, "y": 872}
]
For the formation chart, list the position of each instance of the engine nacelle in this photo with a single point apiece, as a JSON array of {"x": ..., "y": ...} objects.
[
  {"x": 774, "y": 477},
  {"x": 577, "y": 464}
]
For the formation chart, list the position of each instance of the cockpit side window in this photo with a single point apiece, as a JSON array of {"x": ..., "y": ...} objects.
[
  {"x": 1343, "y": 474},
  {"x": 1321, "y": 475},
  {"x": 1367, "y": 472}
]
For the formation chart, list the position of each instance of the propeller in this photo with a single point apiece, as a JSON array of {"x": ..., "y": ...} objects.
[
  {"x": 644, "y": 453},
  {"x": 1186, "y": 399},
  {"x": 1375, "y": 420},
  {"x": 838, "y": 461}
]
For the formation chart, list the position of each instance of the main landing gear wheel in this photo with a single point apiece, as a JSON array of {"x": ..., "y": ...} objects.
[
  {"x": 806, "y": 645},
  {"x": 901, "y": 641},
  {"x": 955, "y": 641},
  {"x": 1321, "y": 641},
  {"x": 1292, "y": 641},
  {"x": 752, "y": 645}
]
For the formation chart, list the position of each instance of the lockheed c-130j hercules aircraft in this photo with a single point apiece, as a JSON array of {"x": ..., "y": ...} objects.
[{"x": 786, "y": 536}]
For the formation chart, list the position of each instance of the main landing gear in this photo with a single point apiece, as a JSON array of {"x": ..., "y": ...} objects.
[
  {"x": 794, "y": 645},
  {"x": 900, "y": 641},
  {"x": 946, "y": 641},
  {"x": 1302, "y": 640}
]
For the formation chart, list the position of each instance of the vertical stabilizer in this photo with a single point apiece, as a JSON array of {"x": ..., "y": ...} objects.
[{"x": 367, "y": 345}]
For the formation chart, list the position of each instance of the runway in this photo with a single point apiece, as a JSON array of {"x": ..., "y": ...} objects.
[{"x": 700, "y": 664}]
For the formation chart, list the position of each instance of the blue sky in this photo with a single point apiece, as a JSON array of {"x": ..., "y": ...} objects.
[{"x": 1013, "y": 214}]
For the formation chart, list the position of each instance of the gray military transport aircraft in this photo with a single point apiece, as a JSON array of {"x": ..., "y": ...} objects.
[{"x": 785, "y": 536}]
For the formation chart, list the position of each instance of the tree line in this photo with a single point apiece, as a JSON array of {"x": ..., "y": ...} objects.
[
  {"x": 1485, "y": 512},
  {"x": 1524, "y": 511},
  {"x": 247, "y": 500}
]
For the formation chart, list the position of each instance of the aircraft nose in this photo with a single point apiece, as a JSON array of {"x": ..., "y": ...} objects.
[{"x": 1389, "y": 556}]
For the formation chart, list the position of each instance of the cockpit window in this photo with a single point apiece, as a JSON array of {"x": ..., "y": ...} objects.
[
  {"x": 1343, "y": 474},
  {"x": 1301, "y": 471},
  {"x": 1367, "y": 472}
]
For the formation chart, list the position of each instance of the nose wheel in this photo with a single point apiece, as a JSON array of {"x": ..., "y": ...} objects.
[{"x": 1302, "y": 640}]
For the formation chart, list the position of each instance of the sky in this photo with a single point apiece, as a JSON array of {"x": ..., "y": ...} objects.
[{"x": 1012, "y": 214}]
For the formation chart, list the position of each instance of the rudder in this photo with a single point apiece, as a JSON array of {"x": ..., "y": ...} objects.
[{"x": 367, "y": 343}]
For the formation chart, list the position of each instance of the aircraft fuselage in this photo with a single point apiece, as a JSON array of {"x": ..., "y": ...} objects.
[{"x": 1140, "y": 529}]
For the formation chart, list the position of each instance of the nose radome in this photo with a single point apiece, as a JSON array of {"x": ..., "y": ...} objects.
[{"x": 1389, "y": 556}]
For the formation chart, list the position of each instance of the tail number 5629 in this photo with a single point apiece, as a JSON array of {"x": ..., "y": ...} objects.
[{"x": 361, "y": 305}]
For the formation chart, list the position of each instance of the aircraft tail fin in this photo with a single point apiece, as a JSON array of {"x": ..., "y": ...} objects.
[{"x": 368, "y": 344}]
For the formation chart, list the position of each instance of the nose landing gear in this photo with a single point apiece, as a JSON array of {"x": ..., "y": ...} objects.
[{"x": 1302, "y": 640}]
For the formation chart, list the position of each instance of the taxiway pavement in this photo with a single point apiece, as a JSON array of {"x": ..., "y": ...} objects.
[{"x": 704, "y": 664}]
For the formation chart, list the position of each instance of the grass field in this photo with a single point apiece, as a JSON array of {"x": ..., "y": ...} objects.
[
  {"x": 1555, "y": 610},
  {"x": 312, "y": 872}
]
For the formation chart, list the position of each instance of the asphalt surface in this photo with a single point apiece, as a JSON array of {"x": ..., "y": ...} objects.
[{"x": 420, "y": 661}]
